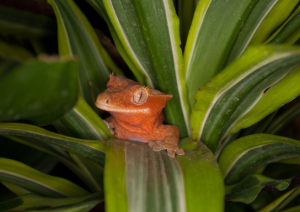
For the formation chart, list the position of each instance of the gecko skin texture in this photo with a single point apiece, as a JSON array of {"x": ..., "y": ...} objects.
[{"x": 137, "y": 114}]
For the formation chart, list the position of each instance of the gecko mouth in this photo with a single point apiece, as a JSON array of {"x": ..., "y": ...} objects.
[{"x": 111, "y": 109}]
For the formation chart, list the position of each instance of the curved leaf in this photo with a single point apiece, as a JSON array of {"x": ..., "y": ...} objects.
[
  {"x": 254, "y": 19},
  {"x": 282, "y": 201},
  {"x": 275, "y": 17},
  {"x": 58, "y": 153},
  {"x": 243, "y": 155},
  {"x": 247, "y": 190},
  {"x": 30, "y": 201},
  {"x": 22, "y": 175},
  {"x": 149, "y": 33},
  {"x": 156, "y": 182},
  {"x": 204, "y": 186},
  {"x": 93, "y": 150},
  {"x": 215, "y": 26},
  {"x": 231, "y": 94},
  {"x": 288, "y": 88},
  {"x": 288, "y": 30},
  {"x": 40, "y": 90},
  {"x": 82, "y": 122},
  {"x": 76, "y": 37}
]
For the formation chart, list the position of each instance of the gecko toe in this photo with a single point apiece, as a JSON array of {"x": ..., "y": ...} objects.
[
  {"x": 179, "y": 151},
  {"x": 171, "y": 153}
]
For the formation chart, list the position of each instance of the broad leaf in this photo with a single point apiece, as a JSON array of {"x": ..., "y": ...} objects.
[
  {"x": 30, "y": 201},
  {"x": 40, "y": 90},
  {"x": 24, "y": 176},
  {"x": 227, "y": 99},
  {"x": 149, "y": 33},
  {"x": 93, "y": 150},
  {"x": 215, "y": 26},
  {"x": 77, "y": 38},
  {"x": 244, "y": 155},
  {"x": 156, "y": 182},
  {"x": 247, "y": 190}
]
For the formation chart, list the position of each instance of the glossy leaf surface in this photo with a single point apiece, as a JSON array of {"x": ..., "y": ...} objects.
[
  {"x": 243, "y": 155},
  {"x": 237, "y": 90},
  {"x": 77, "y": 38},
  {"x": 43, "y": 100},
  {"x": 215, "y": 26},
  {"x": 93, "y": 150},
  {"x": 156, "y": 182},
  {"x": 22, "y": 175},
  {"x": 149, "y": 33},
  {"x": 247, "y": 190}
]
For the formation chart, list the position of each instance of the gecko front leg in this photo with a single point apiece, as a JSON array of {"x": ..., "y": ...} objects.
[
  {"x": 110, "y": 124},
  {"x": 169, "y": 142}
]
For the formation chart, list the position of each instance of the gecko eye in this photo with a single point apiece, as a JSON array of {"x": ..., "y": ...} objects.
[{"x": 140, "y": 96}]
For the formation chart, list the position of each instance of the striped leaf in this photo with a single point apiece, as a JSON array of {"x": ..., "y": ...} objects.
[
  {"x": 58, "y": 153},
  {"x": 149, "y": 34},
  {"x": 77, "y": 38},
  {"x": 156, "y": 182},
  {"x": 30, "y": 201},
  {"x": 82, "y": 122},
  {"x": 215, "y": 26},
  {"x": 282, "y": 201},
  {"x": 243, "y": 155},
  {"x": 239, "y": 88},
  {"x": 24, "y": 176},
  {"x": 247, "y": 190},
  {"x": 290, "y": 32},
  {"x": 41, "y": 91},
  {"x": 93, "y": 150},
  {"x": 254, "y": 19},
  {"x": 275, "y": 17}
]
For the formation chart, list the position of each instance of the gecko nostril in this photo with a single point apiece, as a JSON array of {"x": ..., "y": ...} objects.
[{"x": 107, "y": 101}]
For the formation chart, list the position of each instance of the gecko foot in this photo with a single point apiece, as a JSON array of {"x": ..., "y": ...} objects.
[{"x": 171, "y": 148}]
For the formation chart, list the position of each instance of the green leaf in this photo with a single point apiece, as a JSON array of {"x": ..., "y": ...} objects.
[
  {"x": 275, "y": 17},
  {"x": 41, "y": 91},
  {"x": 203, "y": 183},
  {"x": 237, "y": 89},
  {"x": 156, "y": 182},
  {"x": 252, "y": 22},
  {"x": 93, "y": 150},
  {"x": 24, "y": 24},
  {"x": 57, "y": 152},
  {"x": 288, "y": 88},
  {"x": 22, "y": 175},
  {"x": 215, "y": 26},
  {"x": 76, "y": 37},
  {"x": 92, "y": 171},
  {"x": 247, "y": 190},
  {"x": 100, "y": 9},
  {"x": 292, "y": 209},
  {"x": 291, "y": 27},
  {"x": 282, "y": 201},
  {"x": 82, "y": 122},
  {"x": 149, "y": 33},
  {"x": 29, "y": 201},
  {"x": 244, "y": 155}
]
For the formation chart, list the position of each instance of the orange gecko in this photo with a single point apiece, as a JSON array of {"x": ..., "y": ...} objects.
[{"x": 137, "y": 114}]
